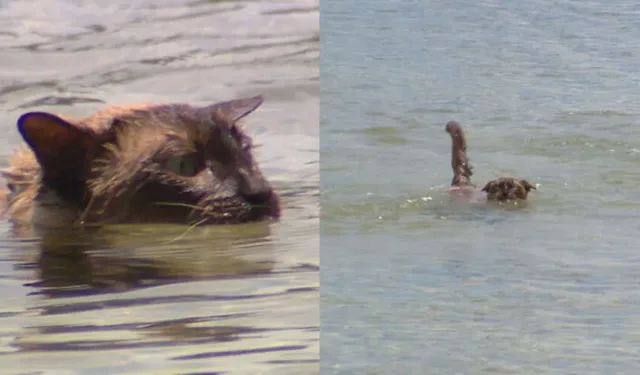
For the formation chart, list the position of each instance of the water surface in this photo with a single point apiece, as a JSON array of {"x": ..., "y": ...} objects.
[{"x": 414, "y": 283}]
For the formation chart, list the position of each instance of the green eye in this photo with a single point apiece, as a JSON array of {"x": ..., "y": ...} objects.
[{"x": 184, "y": 165}]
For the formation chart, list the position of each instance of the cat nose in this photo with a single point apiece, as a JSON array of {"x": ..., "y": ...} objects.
[
  {"x": 262, "y": 198},
  {"x": 254, "y": 189}
]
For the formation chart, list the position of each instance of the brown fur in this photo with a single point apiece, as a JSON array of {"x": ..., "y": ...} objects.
[
  {"x": 502, "y": 189},
  {"x": 172, "y": 163},
  {"x": 462, "y": 171},
  {"x": 507, "y": 188}
]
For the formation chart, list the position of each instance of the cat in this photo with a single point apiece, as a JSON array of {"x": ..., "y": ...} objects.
[
  {"x": 501, "y": 189},
  {"x": 161, "y": 163}
]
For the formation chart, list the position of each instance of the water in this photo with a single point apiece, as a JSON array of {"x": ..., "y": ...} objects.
[
  {"x": 161, "y": 299},
  {"x": 413, "y": 283}
]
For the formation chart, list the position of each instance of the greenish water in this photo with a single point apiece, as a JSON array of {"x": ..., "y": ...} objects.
[
  {"x": 165, "y": 299},
  {"x": 415, "y": 283}
]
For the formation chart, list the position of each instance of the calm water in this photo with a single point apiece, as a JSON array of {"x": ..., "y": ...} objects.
[
  {"x": 164, "y": 300},
  {"x": 548, "y": 91}
]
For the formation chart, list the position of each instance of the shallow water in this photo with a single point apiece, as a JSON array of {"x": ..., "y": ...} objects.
[
  {"x": 415, "y": 283},
  {"x": 165, "y": 299}
]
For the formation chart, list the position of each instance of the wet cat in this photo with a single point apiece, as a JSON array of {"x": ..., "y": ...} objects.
[
  {"x": 501, "y": 189},
  {"x": 171, "y": 163}
]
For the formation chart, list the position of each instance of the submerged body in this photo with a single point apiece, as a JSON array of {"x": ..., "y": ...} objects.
[
  {"x": 501, "y": 189},
  {"x": 172, "y": 163}
]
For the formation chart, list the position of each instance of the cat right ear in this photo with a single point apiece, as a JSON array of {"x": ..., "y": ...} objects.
[
  {"x": 527, "y": 186},
  {"x": 236, "y": 109},
  {"x": 62, "y": 149}
]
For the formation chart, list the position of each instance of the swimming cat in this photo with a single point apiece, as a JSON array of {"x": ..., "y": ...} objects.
[
  {"x": 501, "y": 189},
  {"x": 164, "y": 163}
]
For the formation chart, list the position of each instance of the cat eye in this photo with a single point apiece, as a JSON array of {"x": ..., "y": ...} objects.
[
  {"x": 244, "y": 142},
  {"x": 184, "y": 165},
  {"x": 235, "y": 132},
  {"x": 238, "y": 137}
]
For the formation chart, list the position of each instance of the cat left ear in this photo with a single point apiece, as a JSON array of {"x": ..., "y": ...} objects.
[
  {"x": 234, "y": 110},
  {"x": 61, "y": 148},
  {"x": 488, "y": 186}
]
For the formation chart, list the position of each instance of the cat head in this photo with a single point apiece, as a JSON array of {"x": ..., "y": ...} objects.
[
  {"x": 507, "y": 188},
  {"x": 171, "y": 163}
]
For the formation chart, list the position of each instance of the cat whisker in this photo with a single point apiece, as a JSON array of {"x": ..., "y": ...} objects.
[
  {"x": 177, "y": 204},
  {"x": 189, "y": 229}
]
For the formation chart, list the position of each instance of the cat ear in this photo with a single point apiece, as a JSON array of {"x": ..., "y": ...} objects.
[
  {"x": 489, "y": 186},
  {"x": 234, "y": 110},
  {"x": 527, "y": 185},
  {"x": 62, "y": 149}
]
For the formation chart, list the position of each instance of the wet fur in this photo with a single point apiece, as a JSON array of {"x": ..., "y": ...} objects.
[
  {"x": 501, "y": 189},
  {"x": 113, "y": 167}
]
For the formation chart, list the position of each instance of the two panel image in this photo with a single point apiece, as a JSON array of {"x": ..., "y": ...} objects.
[{"x": 319, "y": 187}]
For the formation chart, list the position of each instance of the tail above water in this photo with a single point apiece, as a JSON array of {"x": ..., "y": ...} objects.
[{"x": 462, "y": 171}]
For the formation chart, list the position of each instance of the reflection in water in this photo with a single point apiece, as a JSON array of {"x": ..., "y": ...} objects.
[
  {"x": 127, "y": 257},
  {"x": 73, "y": 266}
]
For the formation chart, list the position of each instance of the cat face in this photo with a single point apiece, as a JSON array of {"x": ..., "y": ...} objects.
[
  {"x": 167, "y": 163},
  {"x": 507, "y": 188}
]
